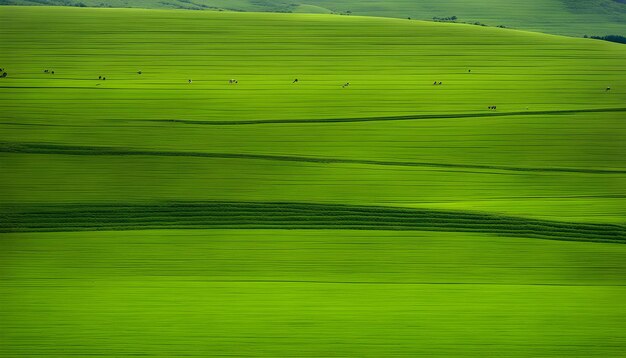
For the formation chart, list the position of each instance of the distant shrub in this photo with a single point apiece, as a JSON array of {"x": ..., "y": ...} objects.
[
  {"x": 611, "y": 38},
  {"x": 445, "y": 19}
]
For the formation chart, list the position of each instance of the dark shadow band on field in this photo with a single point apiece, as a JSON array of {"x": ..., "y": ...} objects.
[
  {"x": 58, "y": 149},
  {"x": 390, "y": 118},
  {"x": 289, "y": 215}
]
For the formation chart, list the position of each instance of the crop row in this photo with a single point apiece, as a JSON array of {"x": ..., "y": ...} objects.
[{"x": 276, "y": 215}]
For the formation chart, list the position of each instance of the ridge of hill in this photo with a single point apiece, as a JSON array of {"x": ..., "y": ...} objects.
[{"x": 566, "y": 17}]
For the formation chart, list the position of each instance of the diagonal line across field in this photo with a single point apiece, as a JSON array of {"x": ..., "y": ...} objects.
[
  {"x": 393, "y": 118},
  {"x": 40, "y": 148},
  {"x": 289, "y": 215}
]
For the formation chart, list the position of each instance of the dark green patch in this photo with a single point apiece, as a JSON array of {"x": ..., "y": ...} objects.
[
  {"x": 39, "y": 148},
  {"x": 279, "y": 215}
]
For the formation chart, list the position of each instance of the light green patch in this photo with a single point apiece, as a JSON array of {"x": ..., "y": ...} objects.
[{"x": 309, "y": 293}]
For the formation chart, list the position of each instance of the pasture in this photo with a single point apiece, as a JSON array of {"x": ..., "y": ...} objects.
[
  {"x": 148, "y": 215},
  {"x": 308, "y": 293},
  {"x": 565, "y": 17}
]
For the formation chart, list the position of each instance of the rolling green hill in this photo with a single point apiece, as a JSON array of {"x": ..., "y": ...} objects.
[
  {"x": 164, "y": 211},
  {"x": 556, "y": 138},
  {"x": 568, "y": 17}
]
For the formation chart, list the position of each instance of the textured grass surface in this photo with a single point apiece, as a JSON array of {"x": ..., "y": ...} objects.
[
  {"x": 552, "y": 150},
  {"x": 571, "y": 17},
  {"x": 308, "y": 293},
  {"x": 388, "y": 155},
  {"x": 259, "y": 215}
]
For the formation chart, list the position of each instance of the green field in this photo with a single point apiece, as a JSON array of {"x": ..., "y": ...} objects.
[
  {"x": 147, "y": 215},
  {"x": 309, "y": 293},
  {"x": 566, "y": 17}
]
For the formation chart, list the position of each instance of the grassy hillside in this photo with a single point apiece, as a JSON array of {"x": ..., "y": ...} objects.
[
  {"x": 552, "y": 149},
  {"x": 264, "y": 293},
  {"x": 569, "y": 17},
  {"x": 420, "y": 221}
]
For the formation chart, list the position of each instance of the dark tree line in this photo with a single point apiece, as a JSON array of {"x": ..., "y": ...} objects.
[
  {"x": 451, "y": 18},
  {"x": 611, "y": 38}
]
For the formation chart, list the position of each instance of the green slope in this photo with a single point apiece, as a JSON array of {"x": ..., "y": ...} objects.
[
  {"x": 569, "y": 17},
  {"x": 552, "y": 150},
  {"x": 420, "y": 222},
  {"x": 264, "y": 293}
]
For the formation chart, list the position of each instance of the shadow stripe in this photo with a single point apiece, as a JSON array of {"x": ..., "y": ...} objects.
[
  {"x": 289, "y": 215},
  {"x": 390, "y": 118},
  {"x": 57, "y": 149}
]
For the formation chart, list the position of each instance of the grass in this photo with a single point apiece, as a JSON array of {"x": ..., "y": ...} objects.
[
  {"x": 390, "y": 217},
  {"x": 541, "y": 154},
  {"x": 568, "y": 17},
  {"x": 309, "y": 293}
]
